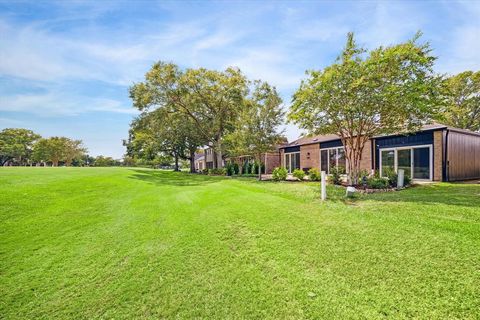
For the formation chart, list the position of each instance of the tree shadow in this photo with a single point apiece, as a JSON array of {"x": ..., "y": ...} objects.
[
  {"x": 169, "y": 178},
  {"x": 465, "y": 195}
]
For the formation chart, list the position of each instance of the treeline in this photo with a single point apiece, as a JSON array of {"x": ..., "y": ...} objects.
[{"x": 23, "y": 147}]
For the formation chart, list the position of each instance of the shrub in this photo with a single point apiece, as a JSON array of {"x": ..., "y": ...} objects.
[
  {"x": 336, "y": 175},
  {"x": 279, "y": 174},
  {"x": 377, "y": 183},
  {"x": 314, "y": 174},
  {"x": 392, "y": 177},
  {"x": 230, "y": 169},
  {"x": 236, "y": 168},
  {"x": 217, "y": 172},
  {"x": 205, "y": 171},
  {"x": 299, "y": 174},
  {"x": 407, "y": 180}
]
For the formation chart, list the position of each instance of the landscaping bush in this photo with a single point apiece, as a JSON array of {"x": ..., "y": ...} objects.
[
  {"x": 376, "y": 182},
  {"x": 204, "y": 171},
  {"x": 279, "y": 174},
  {"x": 314, "y": 174},
  {"x": 236, "y": 168},
  {"x": 336, "y": 175},
  {"x": 230, "y": 169},
  {"x": 407, "y": 181},
  {"x": 217, "y": 172},
  {"x": 299, "y": 174},
  {"x": 392, "y": 177}
]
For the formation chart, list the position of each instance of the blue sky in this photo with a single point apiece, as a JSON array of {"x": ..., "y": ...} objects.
[{"x": 65, "y": 66}]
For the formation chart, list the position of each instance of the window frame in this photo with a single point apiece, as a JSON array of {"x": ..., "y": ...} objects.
[
  {"x": 288, "y": 166},
  {"x": 395, "y": 159},
  {"x": 336, "y": 158}
]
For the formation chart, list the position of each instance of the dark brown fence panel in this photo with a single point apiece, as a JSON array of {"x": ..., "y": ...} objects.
[{"x": 463, "y": 156}]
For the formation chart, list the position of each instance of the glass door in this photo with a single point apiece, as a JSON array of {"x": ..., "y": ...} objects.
[
  {"x": 404, "y": 161},
  {"x": 421, "y": 163}
]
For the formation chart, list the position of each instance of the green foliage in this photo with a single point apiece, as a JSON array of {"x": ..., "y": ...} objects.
[
  {"x": 205, "y": 171},
  {"x": 102, "y": 161},
  {"x": 256, "y": 130},
  {"x": 16, "y": 144},
  {"x": 56, "y": 149},
  {"x": 336, "y": 175},
  {"x": 279, "y": 173},
  {"x": 392, "y": 177},
  {"x": 236, "y": 168},
  {"x": 314, "y": 174},
  {"x": 217, "y": 172},
  {"x": 230, "y": 169},
  {"x": 388, "y": 90},
  {"x": 299, "y": 174},
  {"x": 211, "y": 100},
  {"x": 461, "y": 108},
  {"x": 376, "y": 182}
]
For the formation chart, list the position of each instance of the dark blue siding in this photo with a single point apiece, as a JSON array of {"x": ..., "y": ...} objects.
[
  {"x": 292, "y": 149},
  {"x": 425, "y": 137},
  {"x": 331, "y": 144}
]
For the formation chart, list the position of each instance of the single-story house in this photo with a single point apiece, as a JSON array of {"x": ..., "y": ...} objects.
[{"x": 435, "y": 153}]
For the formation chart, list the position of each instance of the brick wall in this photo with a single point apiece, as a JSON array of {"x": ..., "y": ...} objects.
[
  {"x": 310, "y": 156},
  {"x": 437, "y": 155},
  {"x": 272, "y": 161},
  {"x": 366, "y": 161}
]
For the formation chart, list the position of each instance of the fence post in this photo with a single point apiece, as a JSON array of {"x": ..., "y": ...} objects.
[{"x": 323, "y": 185}]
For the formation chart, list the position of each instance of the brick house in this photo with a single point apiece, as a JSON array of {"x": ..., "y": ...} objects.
[{"x": 435, "y": 153}]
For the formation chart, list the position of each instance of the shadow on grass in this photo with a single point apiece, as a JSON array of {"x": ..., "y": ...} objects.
[
  {"x": 442, "y": 193},
  {"x": 169, "y": 178}
]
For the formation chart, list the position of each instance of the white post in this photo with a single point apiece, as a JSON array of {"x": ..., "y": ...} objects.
[
  {"x": 323, "y": 185},
  {"x": 400, "y": 178}
]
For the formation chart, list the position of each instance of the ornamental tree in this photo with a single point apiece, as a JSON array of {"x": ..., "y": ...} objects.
[{"x": 387, "y": 90}]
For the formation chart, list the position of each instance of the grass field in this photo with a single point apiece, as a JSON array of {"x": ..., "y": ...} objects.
[{"x": 84, "y": 243}]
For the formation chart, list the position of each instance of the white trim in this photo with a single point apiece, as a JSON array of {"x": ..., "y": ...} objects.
[
  {"x": 288, "y": 167},
  {"x": 395, "y": 159}
]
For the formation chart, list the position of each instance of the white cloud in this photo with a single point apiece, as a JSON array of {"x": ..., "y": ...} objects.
[{"x": 57, "y": 104}]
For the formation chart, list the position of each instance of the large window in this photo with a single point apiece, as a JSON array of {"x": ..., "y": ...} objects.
[
  {"x": 416, "y": 162},
  {"x": 333, "y": 158},
  {"x": 292, "y": 161}
]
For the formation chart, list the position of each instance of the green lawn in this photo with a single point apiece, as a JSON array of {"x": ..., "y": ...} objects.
[{"x": 133, "y": 243}]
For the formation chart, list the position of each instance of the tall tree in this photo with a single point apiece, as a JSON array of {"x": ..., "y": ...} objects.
[
  {"x": 16, "y": 144},
  {"x": 74, "y": 149},
  {"x": 56, "y": 149},
  {"x": 390, "y": 89},
  {"x": 257, "y": 128},
  {"x": 211, "y": 99},
  {"x": 462, "y": 101}
]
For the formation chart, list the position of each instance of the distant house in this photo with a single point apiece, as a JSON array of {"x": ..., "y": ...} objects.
[
  {"x": 200, "y": 162},
  {"x": 435, "y": 153}
]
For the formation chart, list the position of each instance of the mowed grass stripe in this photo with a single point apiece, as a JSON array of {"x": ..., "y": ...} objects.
[{"x": 139, "y": 243}]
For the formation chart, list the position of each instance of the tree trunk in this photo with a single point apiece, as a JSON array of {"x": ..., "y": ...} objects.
[
  {"x": 219, "y": 154},
  {"x": 260, "y": 167},
  {"x": 176, "y": 162},
  {"x": 192, "y": 162}
]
